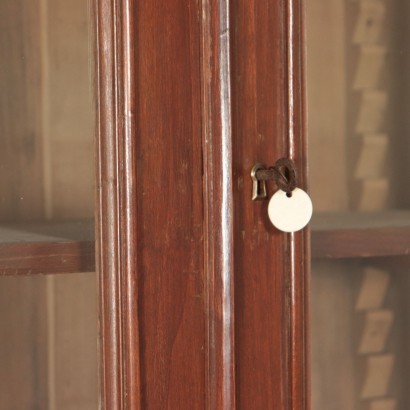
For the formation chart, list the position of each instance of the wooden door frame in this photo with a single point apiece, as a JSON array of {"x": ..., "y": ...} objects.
[
  {"x": 116, "y": 215},
  {"x": 299, "y": 243},
  {"x": 116, "y": 206}
]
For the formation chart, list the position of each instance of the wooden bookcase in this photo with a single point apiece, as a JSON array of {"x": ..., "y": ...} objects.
[{"x": 202, "y": 303}]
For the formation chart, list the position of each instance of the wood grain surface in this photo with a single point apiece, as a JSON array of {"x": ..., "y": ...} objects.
[
  {"x": 203, "y": 304},
  {"x": 47, "y": 248},
  {"x": 218, "y": 204},
  {"x": 115, "y": 107},
  {"x": 270, "y": 274},
  {"x": 373, "y": 234}
]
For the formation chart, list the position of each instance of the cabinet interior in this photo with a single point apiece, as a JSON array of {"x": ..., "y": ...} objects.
[
  {"x": 358, "y": 90},
  {"x": 47, "y": 125},
  {"x": 48, "y": 349}
]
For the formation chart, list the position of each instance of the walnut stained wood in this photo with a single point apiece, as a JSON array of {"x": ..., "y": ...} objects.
[
  {"x": 342, "y": 235},
  {"x": 68, "y": 247},
  {"x": 188, "y": 318},
  {"x": 218, "y": 205},
  {"x": 270, "y": 277},
  {"x": 47, "y": 248}
]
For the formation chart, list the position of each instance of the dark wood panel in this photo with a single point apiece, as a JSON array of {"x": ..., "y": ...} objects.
[
  {"x": 360, "y": 243},
  {"x": 177, "y": 232},
  {"x": 47, "y": 248},
  {"x": 218, "y": 205},
  {"x": 150, "y": 188},
  {"x": 298, "y": 264},
  {"x": 116, "y": 242},
  {"x": 271, "y": 274},
  {"x": 342, "y": 235},
  {"x": 260, "y": 322},
  {"x": 46, "y": 258},
  {"x": 170, "y": 210}
]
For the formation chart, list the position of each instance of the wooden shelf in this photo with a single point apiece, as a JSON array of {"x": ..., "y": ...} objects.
[
  {"x": 47, "y": 247},
  {"x": 68, "y": 247},
  {"x": 358, "y": 235}
]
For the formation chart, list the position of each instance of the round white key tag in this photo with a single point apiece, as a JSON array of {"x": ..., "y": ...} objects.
[{"x": 290, "y": 213}]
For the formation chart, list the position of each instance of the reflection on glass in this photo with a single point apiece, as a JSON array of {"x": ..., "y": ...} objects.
[
  {"x": 48, "y": 346},
  {"x": 46, "y": 126},
  {"x": 358, "y": 65},
  {"x": 48, "y": 342}
]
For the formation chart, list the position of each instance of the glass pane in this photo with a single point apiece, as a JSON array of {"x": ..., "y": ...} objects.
[
  {"x": 46, "y": 126},
  {"x": 48, "y": 323},
  {"x": 48, "y": 352},
  {"x": 358, "y": 66}
]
